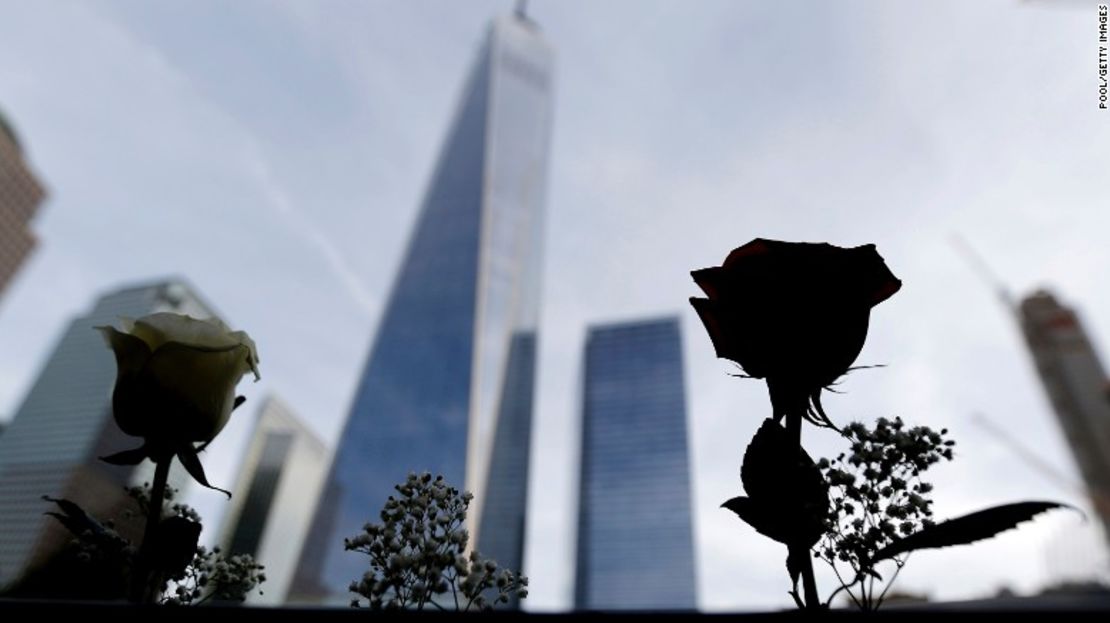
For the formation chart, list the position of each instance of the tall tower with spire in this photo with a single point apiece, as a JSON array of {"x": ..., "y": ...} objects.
[{"x": 448, "y": 384}]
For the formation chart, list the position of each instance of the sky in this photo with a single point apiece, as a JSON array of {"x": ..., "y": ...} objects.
[{"x": 274, "y": 154}]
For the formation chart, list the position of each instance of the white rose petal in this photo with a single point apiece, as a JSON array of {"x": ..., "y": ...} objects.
[{"x": 177, "y": 375}]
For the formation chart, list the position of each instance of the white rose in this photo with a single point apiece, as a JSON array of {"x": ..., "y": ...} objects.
[{"x": 176, "y": 377}]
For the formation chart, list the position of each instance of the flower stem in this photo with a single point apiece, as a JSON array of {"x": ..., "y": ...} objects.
[
  {"x": 146, "y": 580},
  {"x": 809, "y": 583}
]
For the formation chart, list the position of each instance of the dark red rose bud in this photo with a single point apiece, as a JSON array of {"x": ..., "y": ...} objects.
[{"x": 793, "y": 313}]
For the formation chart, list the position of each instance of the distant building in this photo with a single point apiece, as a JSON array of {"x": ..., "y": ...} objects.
[
  {"x": 65, "y": 422},
  {"x": 1077, "y": 554},
  {"x": 635, "y": 534},
  {"x": 20, "y": 196},
  {"x": 1075, "y": 381},
  {"x": 271, "y": 507},
  {"x": 1069, "y": 601},
  {"x": 448, "y": 384}
]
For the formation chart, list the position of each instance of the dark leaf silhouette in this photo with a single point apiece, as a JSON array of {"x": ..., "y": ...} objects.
[
  {"x": 788, "y": 498},
  {"x": 75, "y": 519},
  {"x": 777, "y": 468},
  {"x": 177, "y": 544},
  {"x": 188, "y": 457},
  {"x": 763, "y": 518},
  {"x": 967, "y": 529},
  {"x": 127, "y": 457},
  {"x": 79, "y": 523}
]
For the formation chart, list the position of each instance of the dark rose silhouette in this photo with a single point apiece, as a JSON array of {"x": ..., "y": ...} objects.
[{"x": 793, "y": 313}]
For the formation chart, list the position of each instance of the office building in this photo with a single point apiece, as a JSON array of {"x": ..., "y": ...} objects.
[
  {"x": 65, "y": 422},
  {"x": 635, "y": 546},
  {"x": 20, "y": 197},
  {"x": 269, "y": 515}
]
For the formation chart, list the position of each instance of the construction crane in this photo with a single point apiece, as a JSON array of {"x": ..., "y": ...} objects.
[
  {"x": 1028, "y": 455},
  {"x": 989, "y": 278},
  {"x": 1100, "y": 499}
]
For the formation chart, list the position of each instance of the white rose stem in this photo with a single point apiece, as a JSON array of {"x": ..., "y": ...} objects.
[
  {"x": 146, "y": 583},
  {"x": 809, "y": 584}
]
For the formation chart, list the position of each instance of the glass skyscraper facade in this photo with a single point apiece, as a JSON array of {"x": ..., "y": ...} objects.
[
  {"x": 268, "y": 517},
  {"x": 65, "y": 423},
  {"x": 635, "y": 540},
  {"x": 447, "y": 387}
]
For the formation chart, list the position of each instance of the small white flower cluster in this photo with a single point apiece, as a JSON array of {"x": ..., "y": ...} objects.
[
  {"x": 209, "y": 575},
  {"x": 418, "y": 554},
  {"x": 877, "y": 496},
  {"x": 141, "y": 496},
  {"x": 214, "y": 576},
  {"x": 103, "y": 548}
]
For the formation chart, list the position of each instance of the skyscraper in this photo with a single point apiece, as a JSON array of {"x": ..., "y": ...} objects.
[
  {"x": 20, "y": 196},
  {"x": 268, "y": 519},
  {"x": 447, "y": 387},
  {"x": 635, "y": 538},
  {"x": 1076, "y": 384},
  {"x": 65, "y": 422}
]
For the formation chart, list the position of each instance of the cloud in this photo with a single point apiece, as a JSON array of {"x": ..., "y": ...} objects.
[{"x": 298, "y": 221}]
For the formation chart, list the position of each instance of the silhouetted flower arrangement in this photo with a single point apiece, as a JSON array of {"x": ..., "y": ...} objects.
[
  {"x": 175, "y": 388},
  {"x": 882, "y": 507},
  {"x": 878, "y": 495},
  {"x": 793, "y": 313},
  {"x": 797, "y": 315},
  {"x": 418, "y": 554},
  {"x": 194, "y": 573},
  {"x": 212, "y": 575},
  {"x": 189, "y": 574}
]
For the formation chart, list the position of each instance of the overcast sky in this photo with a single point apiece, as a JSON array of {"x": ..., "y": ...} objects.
[{"x": 274, "y": 154}]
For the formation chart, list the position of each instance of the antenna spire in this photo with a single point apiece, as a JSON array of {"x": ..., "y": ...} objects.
[{"x": 521, "y": 10}]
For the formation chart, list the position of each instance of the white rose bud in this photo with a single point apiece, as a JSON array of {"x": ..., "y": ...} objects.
[
  {"x": 177, "y": 376},
  {"x": 175, "y": 383}
]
